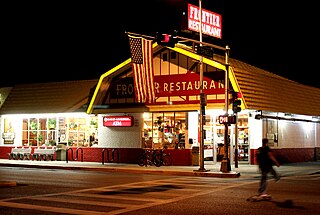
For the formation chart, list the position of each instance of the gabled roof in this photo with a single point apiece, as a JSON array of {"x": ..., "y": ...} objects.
[
  {"x": 54, "y": 97},
  {"x": 4, "y": 92},
  {"x": 261, "y": 90}
]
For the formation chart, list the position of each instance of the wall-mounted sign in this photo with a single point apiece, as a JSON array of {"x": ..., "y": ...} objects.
[
  {"x": 118, "y": 121},
  {"x": 186, "y": 84},
  {"x": 122, "y": 88},
  {"x": 211, "y": 22}
]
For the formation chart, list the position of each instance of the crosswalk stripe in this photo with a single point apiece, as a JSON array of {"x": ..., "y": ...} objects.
[{"x": 146, "y": 194}]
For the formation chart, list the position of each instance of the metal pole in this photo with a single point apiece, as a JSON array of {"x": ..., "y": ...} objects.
[
  {"x": 236, "y": 142},
  {"x": 202, "y": 106},
  {"x": 225, "y": 163},
  {"x": 198, "y": 42}
]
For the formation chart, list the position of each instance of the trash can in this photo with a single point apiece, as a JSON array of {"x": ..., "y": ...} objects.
[
  {"x": 195, "y": 155},
  {"x": 61, "y": 152}
]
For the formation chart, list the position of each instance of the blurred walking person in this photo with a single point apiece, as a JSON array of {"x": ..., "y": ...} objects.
[{"x": 266, "y": 161}]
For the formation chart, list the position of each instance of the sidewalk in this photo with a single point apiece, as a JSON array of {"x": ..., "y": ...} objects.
[{"x": 210, "y": 169}]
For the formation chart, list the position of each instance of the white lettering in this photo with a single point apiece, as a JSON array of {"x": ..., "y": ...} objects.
[
  {"x": 205, "y": 85},
  {"x": 171, "y": 86},
  {"x": 193, "y": 13},
  {"x": 165, "y": 87},
  {"x": 117, "y": 123},
  {"x": 187, "y": 86},
  {"x": 178, "y": 86},
  {"x": 212, "y": 85},
  {"x": 211, "y": 22},
  {"x": 197, "y": 85},
  {"x": 130, "y": 89},
  {"x": 118, "y": 89},
  {"x": 156, "y": 87},
  {"x": 184, "y": 85},
  {"x": 123, "y": 89}
]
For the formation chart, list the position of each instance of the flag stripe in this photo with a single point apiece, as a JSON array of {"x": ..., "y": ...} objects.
[
  {"x": 137, "y": 83},
  {"x": 142, "y": 65},
  {"x": 149, "y": 71}
]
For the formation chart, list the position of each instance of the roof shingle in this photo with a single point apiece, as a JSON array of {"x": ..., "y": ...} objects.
[{"x": 53, "y": 97}]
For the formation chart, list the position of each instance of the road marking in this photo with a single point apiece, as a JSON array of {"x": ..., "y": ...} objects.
[{"x": 117, "y": 199}]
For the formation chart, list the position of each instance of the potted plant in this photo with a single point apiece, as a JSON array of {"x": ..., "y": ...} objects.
[
  {"x": 70, "y": 142},
  {"x": 40, "y": 138},
  {"x": 33, "y": 125},
  {"x": 94, "y": 123},
  {"x": 52, "y": 142},
  {"x": 52, "y": 123}
]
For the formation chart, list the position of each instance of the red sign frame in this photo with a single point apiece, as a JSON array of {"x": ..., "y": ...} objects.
[{"x": 118, "y": 121}]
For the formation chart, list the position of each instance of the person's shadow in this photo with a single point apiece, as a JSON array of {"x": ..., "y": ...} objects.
[{"x": 287, "y": 204}]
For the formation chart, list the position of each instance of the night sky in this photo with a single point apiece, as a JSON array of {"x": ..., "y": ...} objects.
[{"x": 44, "y": 41}]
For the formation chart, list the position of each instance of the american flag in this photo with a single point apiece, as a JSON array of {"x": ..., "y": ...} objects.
[{"x": 142, "y": 66}]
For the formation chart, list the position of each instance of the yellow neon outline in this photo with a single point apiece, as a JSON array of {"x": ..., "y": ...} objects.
[
  {"x": 114, "y": 69},
  {"x": 215, "y": 64},
  {"x": 236, "y": 87}
]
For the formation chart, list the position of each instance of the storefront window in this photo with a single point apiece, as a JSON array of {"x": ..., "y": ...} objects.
[
  {"x": 270, "y": 129},
  {"x": 218, "y": 138},
  {"x": 243, "y": 144},
  {"x": 167, "y": 129},
  {"x": 8, "y": 135},
  {"x": 33, "y": 131},
  {"x": 77, "y": 132},
  {"x": 73, "y": 131}
]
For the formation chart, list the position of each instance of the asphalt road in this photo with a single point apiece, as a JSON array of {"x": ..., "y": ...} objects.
[{"x": 54, "y": 191}]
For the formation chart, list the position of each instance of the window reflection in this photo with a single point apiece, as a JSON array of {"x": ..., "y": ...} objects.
[
  {"x": 71, "y": 131},
  {"x": 167, "y": 129}
]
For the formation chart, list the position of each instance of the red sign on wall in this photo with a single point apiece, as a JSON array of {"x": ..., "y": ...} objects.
[
  {"x": 186, "y": 85},
  {"x": 118, "y": 121}
]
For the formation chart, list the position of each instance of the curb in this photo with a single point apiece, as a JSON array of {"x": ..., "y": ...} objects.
[{"x": 209, "y": 173}]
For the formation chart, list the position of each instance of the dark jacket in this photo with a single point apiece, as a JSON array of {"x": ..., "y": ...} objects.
[{"x": 263, "y": 158}]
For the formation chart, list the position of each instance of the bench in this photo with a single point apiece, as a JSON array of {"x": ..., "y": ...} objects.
[
  {"x": 43, "y": 154},
  {"x": 20, "y": 154}
]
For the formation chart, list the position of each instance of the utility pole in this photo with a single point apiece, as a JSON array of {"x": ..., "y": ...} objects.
[
  {"x": 202, "y": 98},
  {"x": 225, "y": 163},
  {"x": 236, "y": 142}
]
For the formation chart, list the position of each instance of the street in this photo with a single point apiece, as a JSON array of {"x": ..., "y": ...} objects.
[{"x": 47, "y": 191}]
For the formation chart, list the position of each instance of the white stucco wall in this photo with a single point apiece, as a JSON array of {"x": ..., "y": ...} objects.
[
  {"x": 296, "y": 134},
  {"x": 254, "y": 132},
  {"x": 121, "y": 137},
  {"x": 291, "y": 134}
]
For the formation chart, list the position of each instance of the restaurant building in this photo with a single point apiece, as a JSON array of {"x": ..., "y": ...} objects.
[{"x": 125, "y": 112}]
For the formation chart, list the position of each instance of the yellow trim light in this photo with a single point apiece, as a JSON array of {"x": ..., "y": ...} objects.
[{"x": 207, "y": 61}]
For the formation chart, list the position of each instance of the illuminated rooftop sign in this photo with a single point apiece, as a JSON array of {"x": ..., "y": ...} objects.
[{"x": 211, "y": 22}]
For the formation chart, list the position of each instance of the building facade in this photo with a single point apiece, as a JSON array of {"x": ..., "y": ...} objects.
[{"x": 285, "y": 112}]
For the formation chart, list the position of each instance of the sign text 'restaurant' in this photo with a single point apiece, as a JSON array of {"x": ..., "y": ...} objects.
[{"x": 211, "y": 22}]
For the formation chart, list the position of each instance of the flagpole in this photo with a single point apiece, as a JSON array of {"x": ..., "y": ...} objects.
[{"x": 140, "y": 35}]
